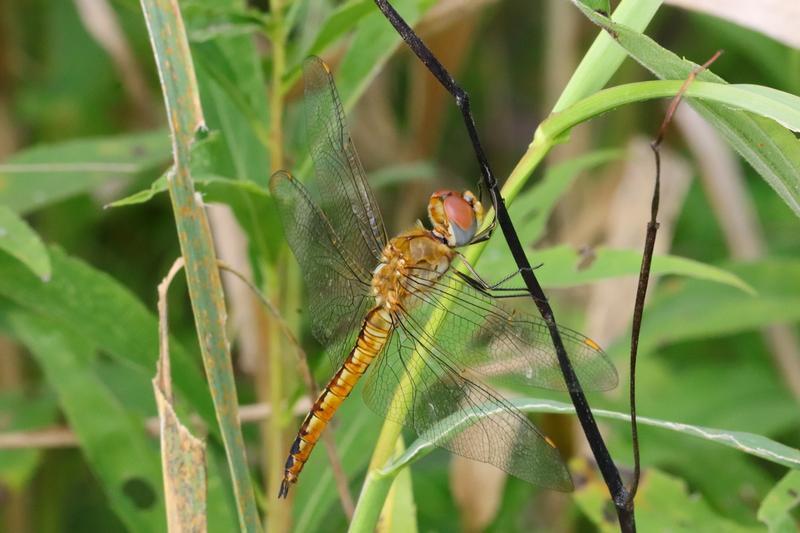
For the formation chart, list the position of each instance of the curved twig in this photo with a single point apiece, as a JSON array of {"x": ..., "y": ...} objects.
[{"x": 644, "y": 272}]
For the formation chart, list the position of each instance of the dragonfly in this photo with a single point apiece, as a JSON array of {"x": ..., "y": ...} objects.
[{"x": 431, "y": 342}]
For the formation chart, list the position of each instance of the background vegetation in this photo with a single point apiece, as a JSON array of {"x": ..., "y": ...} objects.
[{"x": 83, "y": 125}]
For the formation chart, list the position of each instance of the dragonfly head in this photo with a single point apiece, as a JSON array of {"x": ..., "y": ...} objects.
[{"x": 455, "y": 217}]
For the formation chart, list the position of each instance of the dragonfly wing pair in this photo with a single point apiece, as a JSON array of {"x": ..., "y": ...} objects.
[
  {"x": 449, "y": 341},
  {"x": 333, "y": 224}
]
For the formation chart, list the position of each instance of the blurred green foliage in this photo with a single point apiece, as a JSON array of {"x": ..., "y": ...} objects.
[{"x": 75, "y": 137}]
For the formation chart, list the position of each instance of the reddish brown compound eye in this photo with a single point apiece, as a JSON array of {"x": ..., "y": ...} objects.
[{"x": 459, "y": 212}]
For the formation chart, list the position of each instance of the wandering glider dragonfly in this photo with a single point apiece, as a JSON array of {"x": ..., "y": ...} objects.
[{"x": 428, "y": 339}]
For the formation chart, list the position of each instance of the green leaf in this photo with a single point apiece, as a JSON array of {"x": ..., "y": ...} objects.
[
  {"x": 663, "y": 503},
  {"x": 772, "y": 150},
  {"x": 399, "y": 514},
  {"x": 145, "y": 195},
  {"x": 250, "y": 203},
  {"x": 604, "y": 57},
  {"x": 18, "y": 239},
  {"x": 36, "y": 177},
  {"x": 208, "y": 22},
  {"x": 373, "y": 44},
  {"x": 23, "y": 412},
  {"x": 216, "y": 186},
  {"x": 204, "y": 154},
  {"x": 253, "y": 208},
  {"x": 696, "y": 310},
  {"x": 234, "y": 104},
  {"x": 603, "y": 6},
  {"x": 531, "y": 210},
  {"x": 371, "y": 47},
  {"x": 402, "y": 173},
  {"x": 725, "y": 371},
  {"x": 343, "y": 19},
  {"x": 99, "y": 309},
  {"x": 112, "y": 438},
  {"x": 221, "y": 507},
  {"x": 775, "y": 511},
  {"x": 562, "y": 266},
  {"x": 749, "y": 443},
  {"x": 231, "y": 81},
  {"x": 779, "y": 106}
]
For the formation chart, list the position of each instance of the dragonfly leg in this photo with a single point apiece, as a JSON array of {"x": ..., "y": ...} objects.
[{"x": 476, "y": 281}]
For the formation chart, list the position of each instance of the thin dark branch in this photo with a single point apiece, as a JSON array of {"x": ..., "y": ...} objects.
[
  {"x": 644, "y": 271},
  {"x": 606, "y": 465}
]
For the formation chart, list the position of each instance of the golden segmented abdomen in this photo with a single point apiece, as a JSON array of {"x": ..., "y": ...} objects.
[{"x": 371, "y": 340}]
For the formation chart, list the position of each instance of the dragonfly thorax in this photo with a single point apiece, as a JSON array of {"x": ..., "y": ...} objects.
[{"x": 409, "y": 263}]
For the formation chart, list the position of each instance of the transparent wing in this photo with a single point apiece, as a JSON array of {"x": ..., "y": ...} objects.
[
  {"x": 505, "y": 347},
  {"x": 340, "y": 187},
  {"x": 338, "y": 283},
  {"x": 414, "y": 383}
]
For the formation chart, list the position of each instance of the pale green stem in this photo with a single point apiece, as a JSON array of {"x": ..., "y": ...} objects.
[
  {"x": 275, "y": 445},
  {"x": 376, "y": 485}
]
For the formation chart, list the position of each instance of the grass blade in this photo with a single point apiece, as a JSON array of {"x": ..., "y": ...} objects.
[
  {"x": 181, "y": 96},
  {"x": 750, "y": 443},
  {"x": 563, "y": 266},
  {"x": 18, "y": 239},
  {"x": 775, "y": 511},
  {"x": 42, "y": 175},
  {"x": 773, "y": 151}
]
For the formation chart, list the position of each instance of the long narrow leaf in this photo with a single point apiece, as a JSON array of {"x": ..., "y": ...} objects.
[
  {"x": 563, "y": 266},
  {"x": 98, "y": 308},
  {"x": 112, "y": 438},
  {"x": 18, "y": 239},
  {"x": 772, "y": 150},
  {"x": 775, "y": 511},
  {"x": 779, "y": 106},
  {"x": 749, "y": 443},
  {"x": 39, "y": 176},
  {"x": 176, "y": 71},
  {"x": 697, "y": 310}
]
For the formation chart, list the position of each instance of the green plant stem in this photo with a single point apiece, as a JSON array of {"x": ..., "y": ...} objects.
[
  {"x": 377, "y": 484},
  {"x": 185, "y": 116},
  {"x": 278, "y": 40},
  {"x": 279, "y": 513},
  {"x": 275, "y": 444}
]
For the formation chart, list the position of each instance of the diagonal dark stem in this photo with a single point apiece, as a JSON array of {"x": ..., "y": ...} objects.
[{"x": 606, "y": 465}]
